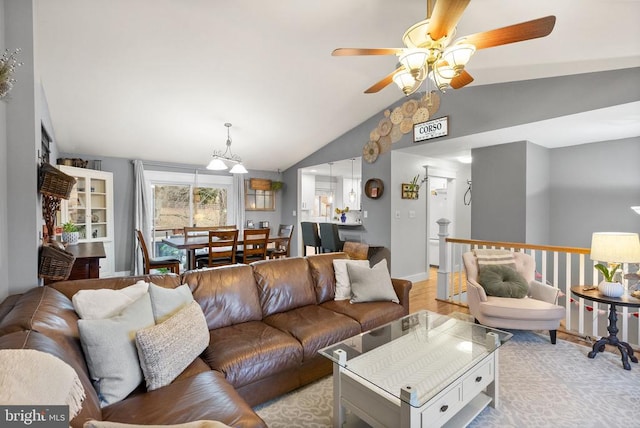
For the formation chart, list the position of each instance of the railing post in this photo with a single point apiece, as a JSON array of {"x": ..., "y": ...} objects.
[{"x": 443, "y": 260}]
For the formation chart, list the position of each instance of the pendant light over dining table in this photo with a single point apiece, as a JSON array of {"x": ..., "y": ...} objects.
[{"x": 219, "y": 159}]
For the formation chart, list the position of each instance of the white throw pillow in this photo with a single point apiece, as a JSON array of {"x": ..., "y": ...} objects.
[
  {"x": 110, "y": 350},
  {"x": 105, "y": 303},
  {"x": 343, "y": 284},
  {"x": 166, "y": 349},
  {"x": 167, "y": 301},
  {"x": 371, "y": 284}
]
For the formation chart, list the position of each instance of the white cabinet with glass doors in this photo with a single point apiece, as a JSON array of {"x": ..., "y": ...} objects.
[{"x": 90, "y": 208}]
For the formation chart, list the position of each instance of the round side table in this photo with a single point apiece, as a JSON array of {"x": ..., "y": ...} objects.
[{"x": 595, "y": 296}]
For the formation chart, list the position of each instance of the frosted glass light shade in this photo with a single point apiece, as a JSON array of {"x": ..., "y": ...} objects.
[
  {"x": 459, "y": 55},
  {"x": 615, "y": 247},
  {"x": 414, "y": 59},
  {"x": 217, "y": 165},
  {"x": 404, "y": 80},
  {"x": 238, "y": 169}
]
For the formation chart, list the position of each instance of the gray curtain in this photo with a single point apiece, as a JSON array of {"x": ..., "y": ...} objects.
[
  {"x": 238, "y": 200},
  {"x": 141, "y": 216}
]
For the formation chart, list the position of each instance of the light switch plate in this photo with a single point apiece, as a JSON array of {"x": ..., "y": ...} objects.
[
  {"x": 397, "y": 213},
  {"x": 412, "y": 214}
]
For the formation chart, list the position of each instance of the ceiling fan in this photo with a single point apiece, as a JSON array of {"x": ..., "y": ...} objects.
[{"x": 430, "y": 51}]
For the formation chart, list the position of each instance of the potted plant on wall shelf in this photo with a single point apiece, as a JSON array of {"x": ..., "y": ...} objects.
[
  {"x": 410, "y": 190},
  {"x": 70, "y": 233}
]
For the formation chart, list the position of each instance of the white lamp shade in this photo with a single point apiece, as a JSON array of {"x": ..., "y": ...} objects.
[
  {"x": 442, "y": 75},
  {"x": 217, "y": 165},
  {"x": 459, "y": 55},
  {"x": 615, "y": 247},
  {"x": 404, "y": 80},
  {"x": 238, "y": 169},
  {"x": 414, "y": 59}
]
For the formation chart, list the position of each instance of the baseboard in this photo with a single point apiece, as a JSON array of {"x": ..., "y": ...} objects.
[{"x": 423, "y": 276}]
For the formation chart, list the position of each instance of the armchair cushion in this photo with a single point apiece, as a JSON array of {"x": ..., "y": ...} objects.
[{"x": 502, "y": 281}]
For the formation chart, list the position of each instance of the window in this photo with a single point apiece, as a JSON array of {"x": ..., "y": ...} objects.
[
  {"x": 181, "y": 200},
  {"x": 258, "y": 200}
]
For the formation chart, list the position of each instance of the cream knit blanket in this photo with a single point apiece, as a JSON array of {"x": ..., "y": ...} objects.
[{"x": 33, "y": 377}]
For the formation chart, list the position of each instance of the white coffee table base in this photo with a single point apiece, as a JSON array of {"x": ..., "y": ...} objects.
[{"x": 455, "y": 406}]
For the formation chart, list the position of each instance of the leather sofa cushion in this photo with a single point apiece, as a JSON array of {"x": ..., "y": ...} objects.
[
  {"x": 205, "y": 396},
  {"x": 283, "y": 284},
  {"x": 314, "y": 327},
  {"x": 227, "y": 295},
  {"x": 69, "y": 352},
  {"x": 369, "y": 314},
  {"x": 42, "y": 309},
  {"x": 323, "y": 274},
  {"x": 69, "y": 288},
  {"x": 250, "y": 351}
]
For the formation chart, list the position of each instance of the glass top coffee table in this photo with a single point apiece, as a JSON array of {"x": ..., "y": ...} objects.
[{"x": 424, "y": 369}]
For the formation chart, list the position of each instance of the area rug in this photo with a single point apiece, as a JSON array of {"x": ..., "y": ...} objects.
[{"x": 541, "y": 385}]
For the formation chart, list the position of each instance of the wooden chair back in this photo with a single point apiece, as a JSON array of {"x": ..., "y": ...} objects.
[
  {"x": 191, "y": 231},
  {"x": 285, "y": 231},
  {"x": 255, "y": 245},
  {"x": 222, "y": 247},
  {"x": 356, "y": 250},
  {"x": 145, "y": 251}
]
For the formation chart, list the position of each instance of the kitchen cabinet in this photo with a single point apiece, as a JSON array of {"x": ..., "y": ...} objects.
[
  {"x": 90, "y": 207},
  {"x": 308, "y": 191}
]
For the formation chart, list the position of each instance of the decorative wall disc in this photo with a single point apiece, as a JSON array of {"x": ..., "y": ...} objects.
[
  {"x": 409, "y": 108},
  {"x": 374, "y": 135},
  {"x": 397, "y": 116},
  {"x": 385, "y": 144},
  {"x": 435, "y": 103},
  {"x": 387, "y": 113},
  {"x": 370, "y": 151},
  {"x": 395, "y": 134},
  {"x": 421, "y": 115},
  {"x": 406, "y": 125},
  {"x": 384, "y": 127}
]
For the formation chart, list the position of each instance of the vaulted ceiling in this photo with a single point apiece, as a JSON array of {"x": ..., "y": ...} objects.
[{"x": 157, "y": 79}]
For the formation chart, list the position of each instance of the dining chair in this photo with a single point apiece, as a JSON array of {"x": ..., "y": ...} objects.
[
  {"x": 191, "y": 232},
  {"x": 254, "y": 246},
  {"x": 330, "y": 238},
  {"x": 166, "y": 262},
  {"x": 281, "y": 248},
  {"x": 221, "y": 249},
  {"x": 310, "y": 237},
  {"x": 356, "y": 250}
]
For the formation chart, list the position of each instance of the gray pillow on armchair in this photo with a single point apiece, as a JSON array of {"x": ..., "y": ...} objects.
[{"x": 502, "y": 281}]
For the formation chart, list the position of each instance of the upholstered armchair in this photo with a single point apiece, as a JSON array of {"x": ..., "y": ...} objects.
[{"x": 536, "y": 311}]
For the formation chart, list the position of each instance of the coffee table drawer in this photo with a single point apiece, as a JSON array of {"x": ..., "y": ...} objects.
[
  {"x": 477, "y": 380},
  {"x": 444, "y": 406}
]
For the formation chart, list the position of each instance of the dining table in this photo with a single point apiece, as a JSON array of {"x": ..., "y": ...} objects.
[{"x": 192, "y": 243}]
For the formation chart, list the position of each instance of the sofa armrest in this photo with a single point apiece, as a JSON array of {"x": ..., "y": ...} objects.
[
  {"x": 543, "y": 292},
  {"x": 402, "y": 288}
]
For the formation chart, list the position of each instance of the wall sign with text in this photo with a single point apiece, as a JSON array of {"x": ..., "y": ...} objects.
[{"x": 431, "y": 129}]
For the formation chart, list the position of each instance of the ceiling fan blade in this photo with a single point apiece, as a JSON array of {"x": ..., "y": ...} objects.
[
  {"x": 461, "y": 80},
  {"x": 383, "y": 83},
  {"x": 534, "y": 29},
  {"x": 358, "y": 51},
  {"x": 445, "y": 17}
]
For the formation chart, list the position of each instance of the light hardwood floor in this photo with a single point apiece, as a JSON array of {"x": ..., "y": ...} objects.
[{"x": 423, "y": 296}]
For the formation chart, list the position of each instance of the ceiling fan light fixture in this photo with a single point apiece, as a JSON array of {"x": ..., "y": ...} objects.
[
  {"x": 405, "y": 81},
  {"x": 458, "y": 55},
  {"x": 441, "y": 75},
  {"x": 414, "y": 60}
]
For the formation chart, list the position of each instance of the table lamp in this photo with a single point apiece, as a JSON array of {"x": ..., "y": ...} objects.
[{"x": 614, "y": 248}]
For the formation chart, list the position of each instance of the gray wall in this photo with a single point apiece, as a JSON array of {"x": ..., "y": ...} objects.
[
  {"x": 593, "y": 187},
  {"x": 24, "y": 217},
  {"x": 538, "y": 194},
  {"x": 4, "y": 179},
  {"x": 499, "y": 193}
]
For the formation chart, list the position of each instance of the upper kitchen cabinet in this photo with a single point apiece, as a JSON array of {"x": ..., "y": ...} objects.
[{"x": 308, "y": 191}]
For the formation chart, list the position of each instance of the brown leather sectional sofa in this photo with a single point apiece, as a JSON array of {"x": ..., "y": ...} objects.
[{"x": 266, "y": 320}]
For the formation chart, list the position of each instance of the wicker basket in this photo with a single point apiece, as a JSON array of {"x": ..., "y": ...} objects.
[
  {"x": 55, "y": 263},
  {"x": 54, "y": 182}
]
